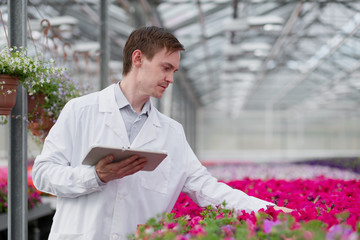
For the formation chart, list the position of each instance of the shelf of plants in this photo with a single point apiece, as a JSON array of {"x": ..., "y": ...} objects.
[
  {"x": 326, "y": 203},
  {"x": 325, "y": 207}
]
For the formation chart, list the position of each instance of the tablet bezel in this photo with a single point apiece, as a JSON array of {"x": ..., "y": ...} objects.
[{"x": 96, "y": 153}]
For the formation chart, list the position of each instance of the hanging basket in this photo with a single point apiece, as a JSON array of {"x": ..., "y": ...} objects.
[
  {"x": 8, "y": 87},
  {"x": 35, "y": 106},
  {"x": 39, "y": 122},
  {"x": 41, "y": 126}
]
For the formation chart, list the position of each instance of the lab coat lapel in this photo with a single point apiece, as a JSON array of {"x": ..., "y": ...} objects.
[
  {"x": 149, "y": 130},
  {"x": 113, "y": 119}
]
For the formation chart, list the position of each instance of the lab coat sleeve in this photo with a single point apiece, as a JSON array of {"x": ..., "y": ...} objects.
[
  {"x": 205, "y": 190},
  {"x": 55, "y": 171}
]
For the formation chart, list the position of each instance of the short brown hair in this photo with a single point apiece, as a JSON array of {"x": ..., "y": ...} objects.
[{"x": 149, "y": 40}]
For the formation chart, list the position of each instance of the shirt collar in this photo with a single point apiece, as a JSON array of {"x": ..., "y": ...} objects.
[{"x": 122, "y": 101}]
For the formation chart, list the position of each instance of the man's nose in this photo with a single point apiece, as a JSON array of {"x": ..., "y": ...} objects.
[{"x": 170, "y": 78}]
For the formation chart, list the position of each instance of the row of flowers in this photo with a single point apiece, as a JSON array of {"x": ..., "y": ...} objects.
[
  {"x": 323, "y": 209},
  {"x": 286, "y": 171}
]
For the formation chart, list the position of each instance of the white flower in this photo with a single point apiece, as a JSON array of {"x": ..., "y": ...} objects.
[{"x": 149, "y": 230}]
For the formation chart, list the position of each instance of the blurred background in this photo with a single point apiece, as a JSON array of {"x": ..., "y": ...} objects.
[{"x": 260, "y": 81}]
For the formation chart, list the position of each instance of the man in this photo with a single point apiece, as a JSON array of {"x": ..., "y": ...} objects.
[{"x": 109, "y": 200}]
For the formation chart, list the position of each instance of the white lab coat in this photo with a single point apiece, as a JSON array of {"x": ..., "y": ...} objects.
[{"x": 87, "y": 210}]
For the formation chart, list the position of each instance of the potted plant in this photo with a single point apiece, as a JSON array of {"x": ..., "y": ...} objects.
[
  {"x": 15, "y": 67},
  {"x": 50, "y": 95},
  {"x": 49, "y": 87}
]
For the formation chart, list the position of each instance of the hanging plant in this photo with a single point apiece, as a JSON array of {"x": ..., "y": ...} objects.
[
  {"x": 33, "y": 73},
  {"x": 8, "y": 87},
  {"x": 49, "y": 87}
]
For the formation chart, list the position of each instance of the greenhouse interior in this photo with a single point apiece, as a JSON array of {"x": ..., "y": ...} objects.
[{"x": 267, "y": 93}]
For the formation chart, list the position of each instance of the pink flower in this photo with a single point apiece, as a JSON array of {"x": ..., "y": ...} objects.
[
  {"x": 171, "y": 225},
  {"x": 197, "y": 230},
  {"x": 220, "y": 216},
  {"x": 341, "y": 232},
  {"x": 268, "y": 225},
  {"x": 195, "y": 221}
]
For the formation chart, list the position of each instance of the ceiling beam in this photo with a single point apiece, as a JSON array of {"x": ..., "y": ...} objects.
[
  {"x": 333, "y": 45},
  {"x": 194, "y": 19},
  {"x": 207, "y": 60},
  {"x": 278, "y": 44}
]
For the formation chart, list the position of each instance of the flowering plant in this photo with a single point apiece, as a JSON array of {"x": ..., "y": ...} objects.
[
  {"x": 56, "y": 88},
  {"x": 227, "y": 224},
  {"x": 34, "y": 198},
  {"x": 15, "y": 62},
  {"x": 324, "y": 209},
  {"x": 46, "y": 83}
]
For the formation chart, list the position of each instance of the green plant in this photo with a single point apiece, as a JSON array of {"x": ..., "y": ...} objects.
[
  {"x": 221, "y": 223},
  {"x": 40, "y": 77},
  {"x": 15, "y": 62}
]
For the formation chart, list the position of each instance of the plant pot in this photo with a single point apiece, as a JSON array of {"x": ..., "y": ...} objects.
[
  {"x": 41, "y": 126},
  {"x": 8, "y": 87},
  {"x": 39, "y": 122},
  {"x": 35, "y": 106}
]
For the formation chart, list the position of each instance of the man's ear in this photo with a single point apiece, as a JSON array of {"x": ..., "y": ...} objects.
[{"x": 137, "y": 58}]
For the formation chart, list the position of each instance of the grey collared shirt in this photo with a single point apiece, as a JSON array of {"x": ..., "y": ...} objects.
[{"x": 133, "y": 121}]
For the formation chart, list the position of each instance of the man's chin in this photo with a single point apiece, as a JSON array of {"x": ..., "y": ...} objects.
[{"x": 158, "y": 95}]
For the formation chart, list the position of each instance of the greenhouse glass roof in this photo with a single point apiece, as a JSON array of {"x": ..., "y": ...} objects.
[{"x": 249, "y": 55}]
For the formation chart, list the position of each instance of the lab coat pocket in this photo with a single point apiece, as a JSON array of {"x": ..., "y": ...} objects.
[{"x": 158, "y": 179}]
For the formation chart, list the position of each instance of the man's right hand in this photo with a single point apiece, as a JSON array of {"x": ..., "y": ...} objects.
[{"x": 107, "y": 170}]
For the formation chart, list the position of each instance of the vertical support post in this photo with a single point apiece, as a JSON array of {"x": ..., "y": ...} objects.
[
  {"x": 269, "y": 125},
  {"x": 300, "y": 131},
  {"x": 17, "y": 179},
  {"x": 104, "y": 45}
]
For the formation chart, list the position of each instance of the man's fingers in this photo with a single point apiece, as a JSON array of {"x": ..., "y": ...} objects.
[
  {"x": 108, "y": 170},
  {"x": 137, "y": 166},
  {"x": 138, "y": 163},
  {"x": 107, "y": 160}
]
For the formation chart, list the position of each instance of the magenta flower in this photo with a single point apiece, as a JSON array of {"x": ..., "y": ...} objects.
[
  {"x": 197, "y": 230},
  {"x": 195, "y": 221},
  {"x": 268, "y": 225}
]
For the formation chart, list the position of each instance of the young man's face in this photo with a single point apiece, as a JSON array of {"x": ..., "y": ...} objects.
[{"x": 156, "y": 75}]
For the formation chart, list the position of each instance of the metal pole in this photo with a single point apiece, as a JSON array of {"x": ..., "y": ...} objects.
[
  {"x": 17, "y": 179},
  {"x": 104, "y": 45}
]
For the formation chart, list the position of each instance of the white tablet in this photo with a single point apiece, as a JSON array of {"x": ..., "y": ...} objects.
[{"x": 96, "y": 153}]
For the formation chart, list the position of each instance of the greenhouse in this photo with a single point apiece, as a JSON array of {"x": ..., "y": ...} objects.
[{"x": 243, "y": 114}]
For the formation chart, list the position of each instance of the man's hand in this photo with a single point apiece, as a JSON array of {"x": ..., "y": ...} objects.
[
  {"x": 107, "y": 170},
  {"x": 284, "y": 209}
]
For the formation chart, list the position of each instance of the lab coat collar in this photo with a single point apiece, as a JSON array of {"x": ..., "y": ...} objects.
[
  {"x": 107, "y": 105},
  {"x": 148, "y": 131},
  {"x": 113, "y": 119}
]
